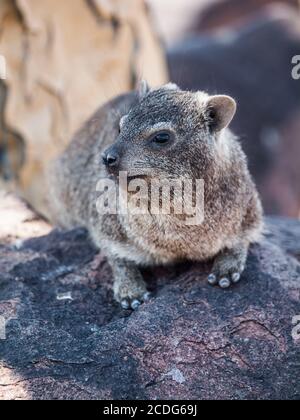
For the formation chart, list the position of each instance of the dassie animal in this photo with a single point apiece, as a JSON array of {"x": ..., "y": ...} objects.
[{"x": 151, "y": 134}]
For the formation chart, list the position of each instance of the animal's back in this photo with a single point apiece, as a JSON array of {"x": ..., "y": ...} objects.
[{"x": 72, "y": 178}]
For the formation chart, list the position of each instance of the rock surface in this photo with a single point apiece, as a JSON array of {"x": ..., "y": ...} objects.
[
  {"x": 64, "y": 59},
  {"x": 67, "y": 339}
]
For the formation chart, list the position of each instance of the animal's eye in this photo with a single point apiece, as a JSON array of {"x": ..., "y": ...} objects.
[{"x": 161, "y": 138}]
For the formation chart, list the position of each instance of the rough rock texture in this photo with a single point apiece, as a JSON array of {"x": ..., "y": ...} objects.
[
  {"x": 65, "y": 58},
  {"x": 255, "y": 66},
  {"x": 67, "y": 339},
  {"x": 18, "y": 221}
]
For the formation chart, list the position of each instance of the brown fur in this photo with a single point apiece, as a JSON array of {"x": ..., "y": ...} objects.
[{"x": 203, "y": 148}]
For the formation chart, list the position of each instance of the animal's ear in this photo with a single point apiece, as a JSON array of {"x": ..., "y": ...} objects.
[
  {"x": 143, "y": 89},
  {"x": 220, "y": 111}
]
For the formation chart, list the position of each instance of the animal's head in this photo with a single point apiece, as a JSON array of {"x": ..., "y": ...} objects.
[{"x": 170, "y": 133}]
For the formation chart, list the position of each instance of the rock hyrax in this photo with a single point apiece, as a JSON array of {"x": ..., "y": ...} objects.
[{"x": 155, "y": 134}]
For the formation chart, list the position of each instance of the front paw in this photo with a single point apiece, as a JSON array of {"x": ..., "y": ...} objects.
[
  {"x": 131, "y": 296},
  {"x": 225, "y": 275}
]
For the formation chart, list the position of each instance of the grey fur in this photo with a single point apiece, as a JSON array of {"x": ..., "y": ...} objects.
[{"x": 204, "y": 148}]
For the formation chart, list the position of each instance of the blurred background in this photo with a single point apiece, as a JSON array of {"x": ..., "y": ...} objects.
[{"x": 64, "y": 58}]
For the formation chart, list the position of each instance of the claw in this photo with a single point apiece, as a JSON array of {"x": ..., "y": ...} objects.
[
  {"x": 224, "y": 283},
  {"x": 125, "y": 304},
  {"x": 236, "y": 277},
  {"x": 147, "y": 296},
  {"x": 135, "y": 304},
  {"x": 212, "y": 279}
]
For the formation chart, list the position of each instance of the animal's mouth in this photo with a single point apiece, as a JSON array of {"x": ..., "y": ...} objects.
[
  {"x": 137, "y": 176},
  {"x": 145, "y": 174},
  {"x": 123, "y": 177}
]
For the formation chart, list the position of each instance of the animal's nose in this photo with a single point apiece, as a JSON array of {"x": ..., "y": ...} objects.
[{"x": 110, "y": 159}]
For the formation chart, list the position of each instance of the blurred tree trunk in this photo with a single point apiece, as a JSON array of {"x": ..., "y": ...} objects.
[{"x": 64, "y": 59}]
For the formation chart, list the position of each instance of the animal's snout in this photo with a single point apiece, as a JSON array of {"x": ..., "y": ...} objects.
[{"x": 111, "y": 158}]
